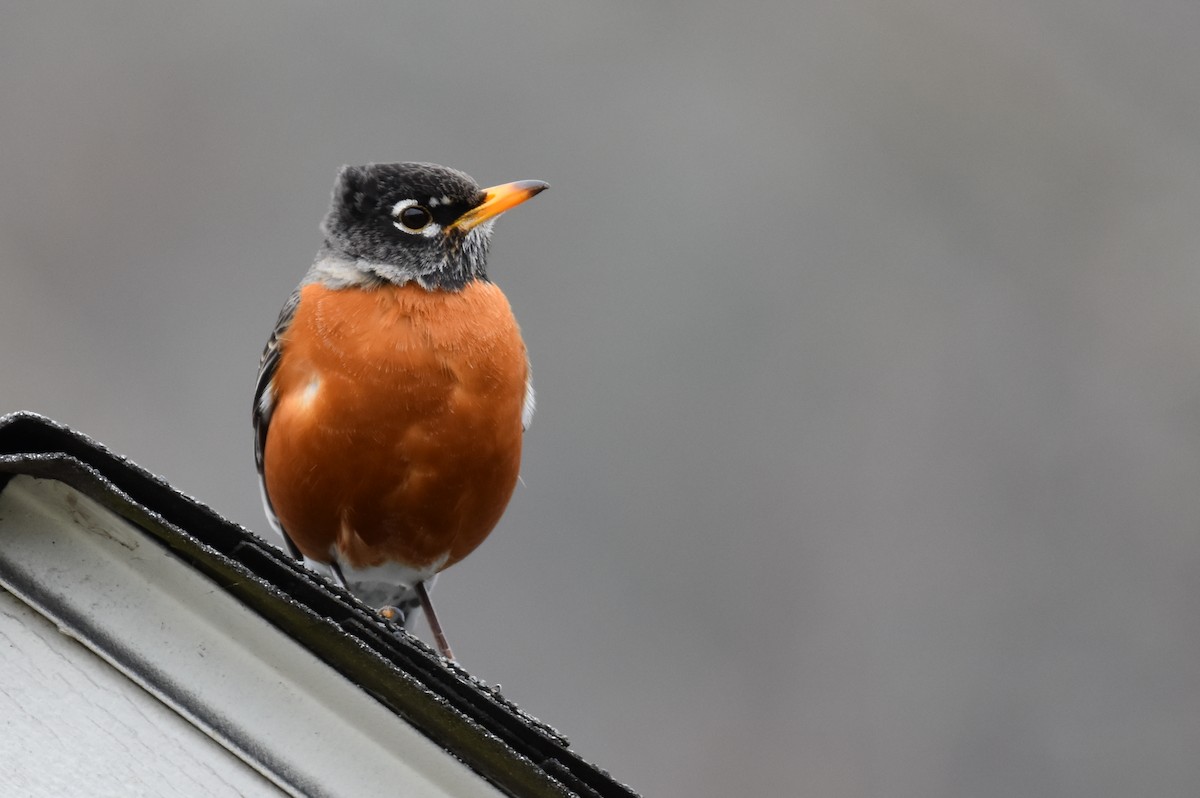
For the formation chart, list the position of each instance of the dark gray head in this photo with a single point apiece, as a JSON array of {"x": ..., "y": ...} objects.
[{"x": 406, "y": 222}]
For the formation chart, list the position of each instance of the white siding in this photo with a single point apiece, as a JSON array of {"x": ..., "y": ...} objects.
[{"x": 71, "y": 725}]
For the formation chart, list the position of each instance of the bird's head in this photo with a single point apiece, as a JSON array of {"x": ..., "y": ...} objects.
[{"x": 406, "y": 222}]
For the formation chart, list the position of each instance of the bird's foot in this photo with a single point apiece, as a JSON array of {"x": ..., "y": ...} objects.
[{"x": 393, "y": 614}]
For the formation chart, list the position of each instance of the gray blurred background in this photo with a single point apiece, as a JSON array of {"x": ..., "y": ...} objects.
[{"x": 867, "y": 461}]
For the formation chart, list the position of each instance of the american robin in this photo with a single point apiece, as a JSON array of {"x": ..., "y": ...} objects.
[{"x": 394, "y": 391}]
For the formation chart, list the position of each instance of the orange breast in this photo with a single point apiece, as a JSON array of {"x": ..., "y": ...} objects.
[{"x": 396, "y": 432}]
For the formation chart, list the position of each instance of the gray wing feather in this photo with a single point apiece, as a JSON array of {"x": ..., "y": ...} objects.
[{"x": 264, "y": 405}]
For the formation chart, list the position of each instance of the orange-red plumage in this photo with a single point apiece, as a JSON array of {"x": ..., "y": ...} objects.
[{"x": 396, "y": 430}]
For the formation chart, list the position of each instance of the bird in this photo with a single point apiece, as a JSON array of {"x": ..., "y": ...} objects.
[{"x": 394, "y": 391}]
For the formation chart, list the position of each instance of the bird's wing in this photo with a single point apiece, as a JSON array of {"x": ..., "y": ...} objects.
[{"x": 264, "y": 405}]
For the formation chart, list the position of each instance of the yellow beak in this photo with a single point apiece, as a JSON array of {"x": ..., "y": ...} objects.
[{"x": 497, "y": 200}]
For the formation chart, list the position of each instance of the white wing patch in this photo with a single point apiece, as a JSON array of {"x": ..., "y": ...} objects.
[
  {"x": 266, "y": 402},
  {"x": 530, "y": 403},
  {"x": 311, "y": 390}
]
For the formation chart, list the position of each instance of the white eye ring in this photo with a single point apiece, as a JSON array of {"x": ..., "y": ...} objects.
[{"x": 428, "y": 229}]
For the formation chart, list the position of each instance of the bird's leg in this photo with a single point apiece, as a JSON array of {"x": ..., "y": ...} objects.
[
  {"x": 340, "y": 577},
  {"x": 399, "y": 616},
  {"x": 435, "y": 625}
]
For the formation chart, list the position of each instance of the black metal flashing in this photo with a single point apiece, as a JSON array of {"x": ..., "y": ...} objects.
[{"x": 517, "y": 753}]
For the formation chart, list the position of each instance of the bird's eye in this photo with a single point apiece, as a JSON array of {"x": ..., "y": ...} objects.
[{"x": 414, "y": 218}]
